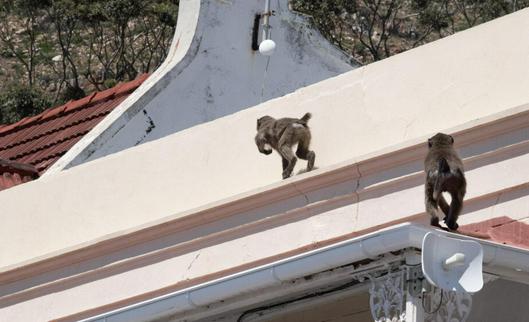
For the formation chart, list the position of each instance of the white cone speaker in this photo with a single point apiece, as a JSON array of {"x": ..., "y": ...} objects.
[{"x": 452, "y": 264}]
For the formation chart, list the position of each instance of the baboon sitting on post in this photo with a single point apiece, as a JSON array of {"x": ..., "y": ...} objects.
[{"x": 281, "y": 135}]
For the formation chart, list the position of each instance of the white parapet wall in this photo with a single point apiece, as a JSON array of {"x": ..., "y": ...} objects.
[
  {"x": 211, "y": 71},
  {"x": 203, "y": 202}
]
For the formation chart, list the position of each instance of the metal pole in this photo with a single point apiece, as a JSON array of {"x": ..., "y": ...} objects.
[{"x": 266, "y": 25}]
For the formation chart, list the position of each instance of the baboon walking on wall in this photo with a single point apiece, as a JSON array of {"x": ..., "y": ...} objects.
[
  {"x": 281, "y": 135},
  {"x": 444, "y": 172}
]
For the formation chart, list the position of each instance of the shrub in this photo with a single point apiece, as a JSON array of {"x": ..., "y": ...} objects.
[{"x": 19, "y": 101}]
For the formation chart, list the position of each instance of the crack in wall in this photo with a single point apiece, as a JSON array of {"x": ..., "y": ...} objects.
[
  {"x": 193, "y": 261},
  {"x": 307, "y": 200},
  {"x": 496, "y": 202},
  {"x": 363, "y": 86},
  {"x": 355, "y": 192},
  {"x": 149, "y": 128}
]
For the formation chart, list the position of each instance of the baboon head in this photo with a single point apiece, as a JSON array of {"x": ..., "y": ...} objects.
[
  {"x": 264, "y": 125},
  {"x": 262, "y": 121},
  {"x": 440, "y": 139}
]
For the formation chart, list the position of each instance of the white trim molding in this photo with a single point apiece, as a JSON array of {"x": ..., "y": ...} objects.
[{"x": 505, "y": 261}]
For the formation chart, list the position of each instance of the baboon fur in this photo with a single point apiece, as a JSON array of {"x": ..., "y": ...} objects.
[
  {"x": 444, "y": 172},
  {"x": 281, "y": 135}
]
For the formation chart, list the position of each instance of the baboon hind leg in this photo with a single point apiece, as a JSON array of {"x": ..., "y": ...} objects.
[
  {"x": 284, "y": 147},
  {"x": 288, "y": 156},
  {"x": 444, "y": 205},
  {"x": 285, "y": 163},
  {"x": 455, "y": 209},
  {"x": 431, "y": 205},
  {"x": 304, "y": 153}
]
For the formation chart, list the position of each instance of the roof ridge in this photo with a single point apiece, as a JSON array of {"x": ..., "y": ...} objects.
[
  {"x": 23, "y": 168},
  {"x": 75, "y": 105}
]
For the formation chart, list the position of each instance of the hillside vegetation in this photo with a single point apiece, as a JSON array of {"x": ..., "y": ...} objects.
[
  {"x": 371, "y": 30},
  {"x": 52, "y": 51}
]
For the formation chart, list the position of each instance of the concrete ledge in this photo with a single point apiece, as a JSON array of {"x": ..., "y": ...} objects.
[{"x": 301, "y": 186}]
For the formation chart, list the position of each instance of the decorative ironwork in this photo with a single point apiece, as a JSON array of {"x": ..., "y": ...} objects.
[
  {"x": 389, "y": 293},
  {"x": 387, "y": 298},
  {"x": 446, "y": 306}
]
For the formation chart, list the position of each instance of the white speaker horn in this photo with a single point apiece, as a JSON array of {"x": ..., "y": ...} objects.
[{"x": 452, "y": 264}]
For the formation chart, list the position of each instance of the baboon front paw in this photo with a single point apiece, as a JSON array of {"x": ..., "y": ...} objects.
[{"x": 311, "y": 158}]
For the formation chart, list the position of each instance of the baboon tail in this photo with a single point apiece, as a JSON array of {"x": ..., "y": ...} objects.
[
  {"x": 442, "y": 166},
  {"x": 306, "y": 117}
]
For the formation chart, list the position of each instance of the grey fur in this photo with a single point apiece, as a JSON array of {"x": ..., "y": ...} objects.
[
  {"x": 444, "y": 172},
  {"x": 281, "y": 135}
]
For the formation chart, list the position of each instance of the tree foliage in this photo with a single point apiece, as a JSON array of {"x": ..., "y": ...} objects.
[
  {"x": 19, "y": 101},
  {"x": 65, "y": 49},
  {"x": 372, "y": 30},
  {"x": 58, "y": 50}
]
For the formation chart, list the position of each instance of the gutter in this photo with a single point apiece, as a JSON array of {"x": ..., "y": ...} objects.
[{"x": 505, "y": 261}]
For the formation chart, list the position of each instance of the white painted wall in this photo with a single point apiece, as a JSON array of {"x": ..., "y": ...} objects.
[
  {"x": 216, "y": 74},
  {"x": 165, "y": 261}
]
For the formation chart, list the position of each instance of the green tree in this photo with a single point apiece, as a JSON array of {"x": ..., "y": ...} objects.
[
  {"x": 19, "y": 101},
  {"x": 65, "y": 15},
  {"x": 371, "y": 30},
  {"x": 126, "y": 37},
  {"x": 20, "y": 28},
  {"x": 64, "y": 49}
]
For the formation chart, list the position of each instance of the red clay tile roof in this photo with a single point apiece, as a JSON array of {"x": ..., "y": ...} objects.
[
  {"x": 14, "y": 173},
  {"x": 42, "y": 139},
  {"x": 503, "y": 230}
]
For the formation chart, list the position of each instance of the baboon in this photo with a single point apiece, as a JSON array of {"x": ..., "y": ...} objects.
[
  {"x": 444, "y": 172},
  {"x": 281, "y": 135}
]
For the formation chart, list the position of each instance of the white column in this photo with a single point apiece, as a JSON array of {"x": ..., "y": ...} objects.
[
  {"x": 414, "y": 309},
  {"x": 414, "y": 286}
]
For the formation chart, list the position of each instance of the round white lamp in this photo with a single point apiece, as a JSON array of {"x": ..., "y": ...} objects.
[{"x": 267, "y": 47}]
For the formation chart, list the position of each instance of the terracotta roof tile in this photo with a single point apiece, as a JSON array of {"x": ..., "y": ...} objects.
[
  {"x": 50, "y": 113},
  {"x": 9, "y": 127},
  {"x": 43, "y": 165},
  {"x": 24, "y": 121},
  {"x": 502, "y": 230},
  {"x": 105, "y": 95},
  {"x": 72, "y": 105},
  {"x": 40, "y": 140},
  {"x": 13, "y": 173},
  {"x": 127, "y": 87}
]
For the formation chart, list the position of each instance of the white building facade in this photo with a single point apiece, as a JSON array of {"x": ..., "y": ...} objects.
[{"x": 197, "y": 225}]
